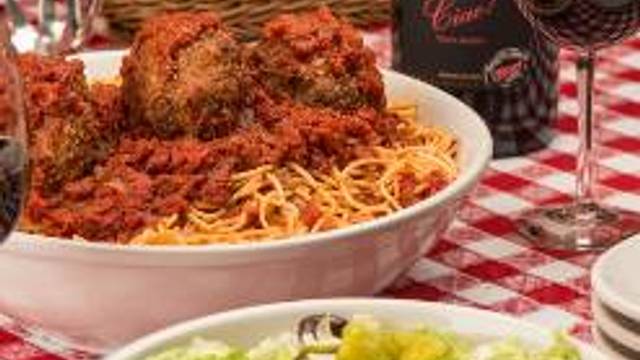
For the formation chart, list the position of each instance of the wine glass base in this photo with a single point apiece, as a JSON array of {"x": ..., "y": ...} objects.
[{"x": 578, "y": 226}]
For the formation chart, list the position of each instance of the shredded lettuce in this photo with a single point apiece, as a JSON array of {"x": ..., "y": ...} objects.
[
  {"x": 200, "y": 349},
  {"x": 283, "y": 347},
  {"x": 513, "y": 349},
  {"x": 561, "y": 349}
]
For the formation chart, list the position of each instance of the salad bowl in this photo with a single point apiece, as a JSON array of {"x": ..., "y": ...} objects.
[{"x": 468, "y": 334}]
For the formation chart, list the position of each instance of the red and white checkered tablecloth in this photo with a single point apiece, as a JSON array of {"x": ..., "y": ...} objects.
[{"x": 481, "y": 261}]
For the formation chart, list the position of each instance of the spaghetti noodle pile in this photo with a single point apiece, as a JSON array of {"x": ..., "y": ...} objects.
[{"x": 276, "y": 202}]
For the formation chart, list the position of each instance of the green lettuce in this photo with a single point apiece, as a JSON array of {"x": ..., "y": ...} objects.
[
  {"x": 513, "y": 349},
  {"x": 200, "y": 349}
]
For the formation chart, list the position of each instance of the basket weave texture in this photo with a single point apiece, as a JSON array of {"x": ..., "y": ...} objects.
[{"x": 244, "y": 17}]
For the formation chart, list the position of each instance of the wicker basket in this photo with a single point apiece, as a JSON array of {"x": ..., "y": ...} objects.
[{"x": 245, "y": 17}]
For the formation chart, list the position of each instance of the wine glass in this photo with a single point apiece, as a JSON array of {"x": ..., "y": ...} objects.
[
  {"x": 13, "y": 154},
  {"x": 50, "y": 26},
  {"x": 584, "y": 26}
]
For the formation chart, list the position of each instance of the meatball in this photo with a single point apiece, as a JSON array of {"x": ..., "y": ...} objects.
[
  {"x": 71, "y": 126},
  {"x": 184, "y": 77},
  {"x": 54, "y": 88},
  {"x": 317, "y": 59}
]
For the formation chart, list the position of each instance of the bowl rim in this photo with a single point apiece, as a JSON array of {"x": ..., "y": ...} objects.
[
  {"x": 478, "y": 163},
  {"x": 201, "y": 324}
]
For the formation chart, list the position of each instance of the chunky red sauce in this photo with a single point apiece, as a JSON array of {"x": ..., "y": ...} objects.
[{"x": 106, "y": 165}]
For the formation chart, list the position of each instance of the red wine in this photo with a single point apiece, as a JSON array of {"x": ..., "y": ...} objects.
[
  {"x": 13, "y": 183},
  {"x": 584, "y": 24},
  {"x": 488, "y": 55}
]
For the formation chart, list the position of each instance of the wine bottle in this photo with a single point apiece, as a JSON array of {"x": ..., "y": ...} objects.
[{"x": 485, "y": 53}]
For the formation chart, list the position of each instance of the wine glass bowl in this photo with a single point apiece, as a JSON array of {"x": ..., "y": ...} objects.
[
  {"x": 13, "y": 155},
  {"x": 50, "y": 26},
  {"x": 585, "y": 26}
]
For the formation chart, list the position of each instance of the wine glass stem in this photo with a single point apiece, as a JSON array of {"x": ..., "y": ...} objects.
[{"x": 586, "y": 126}]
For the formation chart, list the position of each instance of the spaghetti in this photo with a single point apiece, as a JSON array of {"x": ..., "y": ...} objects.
[{"x": 274, "y": 202}]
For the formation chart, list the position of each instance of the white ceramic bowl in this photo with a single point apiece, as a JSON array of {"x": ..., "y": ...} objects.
[
  {"x": 270, "y": 320},
  {"x": 101, "y": 295}
]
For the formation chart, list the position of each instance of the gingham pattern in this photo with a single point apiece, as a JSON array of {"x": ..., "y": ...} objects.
[{"x": 481, "y": 261}]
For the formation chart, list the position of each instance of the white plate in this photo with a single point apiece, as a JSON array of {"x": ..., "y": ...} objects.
[
  {"x": 604, "y": 346},
  {"x": 615, "y": 278},
  {"x": 616, "y": 330},
  {"x": 246, "y": 326}
]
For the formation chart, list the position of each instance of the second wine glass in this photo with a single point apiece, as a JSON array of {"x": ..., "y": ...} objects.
[
  {"x": 50, "y": 26},
  {"x": 585, "y": 26},
  {"x": 13, "y": 139}
]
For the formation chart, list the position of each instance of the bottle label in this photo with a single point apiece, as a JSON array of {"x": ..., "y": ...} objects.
[
  {"x": 462, "y": 43},
  {"x": 446, "y": 16},
  {"x": 508, "y": 67}
]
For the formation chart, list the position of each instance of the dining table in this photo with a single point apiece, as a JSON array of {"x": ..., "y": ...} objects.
[{"x": 482, "y": 261}]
